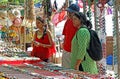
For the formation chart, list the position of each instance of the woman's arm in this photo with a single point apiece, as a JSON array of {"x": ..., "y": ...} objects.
[
  {"x": 82, "y": 40},
  {"x": 77, "y": 64}
]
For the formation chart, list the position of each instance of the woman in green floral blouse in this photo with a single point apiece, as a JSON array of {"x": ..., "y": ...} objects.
[{"x": 80, "y": 60}]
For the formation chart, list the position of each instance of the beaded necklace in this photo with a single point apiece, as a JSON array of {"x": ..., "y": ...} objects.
[{"x": 39, "y": 34}]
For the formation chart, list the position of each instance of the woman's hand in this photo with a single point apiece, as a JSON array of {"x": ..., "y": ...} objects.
[
  {"x": 76, "y": 67},
  {"x": 78, "y": 62},
  {"x": 39, "y": 44},
  {"x": 36, "y": 43}
]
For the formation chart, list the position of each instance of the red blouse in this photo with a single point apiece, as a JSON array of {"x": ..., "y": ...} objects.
[
  {"x": 43, "y": 52},
  {"x": 69, "y": 31}
]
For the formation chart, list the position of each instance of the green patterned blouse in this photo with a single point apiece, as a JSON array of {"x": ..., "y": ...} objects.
[{"x": 80, "y": 43}]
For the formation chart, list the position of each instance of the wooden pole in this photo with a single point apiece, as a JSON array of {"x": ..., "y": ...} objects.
[{"x": 117, "y": 37}]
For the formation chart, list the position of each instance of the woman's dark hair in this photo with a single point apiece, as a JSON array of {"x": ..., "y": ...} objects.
[
  {"x": 45, "y": 27},
  {"x": 40, "y": 19},
  {"x": 89, "y": 24},
  {"x": 83, "y": 19},
  {"x": 44, "y": 31}
]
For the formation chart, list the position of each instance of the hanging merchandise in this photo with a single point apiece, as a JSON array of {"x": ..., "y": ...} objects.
[
  {"x": 89, "y": 14},
  {"x": 92, "y": 8},
  {"x": 101, "y": 29},
  {"x": 116, "y": 35},
  {"x": 47, "y": 14},
  {"x": 17, "y": 22},
  {"x": 55, "y": 6},
  {"x": 47, "y": 8},
  {"x": 16, "y": 12},
  {"x": 109, "y": 10},
  {"x": 117, "y": 2},
  {"x": 80, "y": 3},
  {"x": 58, "y": 17},
  {"x": 15, "y": 17},
  {"x": 101, "y": 4},
  {"x": 110, "y": 2},
  {"x": 3, "y": 14},
  {"x": 1, "y": 27},
  {"x": 29, "y": 13}
]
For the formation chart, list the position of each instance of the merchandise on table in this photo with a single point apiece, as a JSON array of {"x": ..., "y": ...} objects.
[
  {"x": 7, "y": 47},
  {"x": 3, "y": 76},
  {"x": 43, "y": 70},
  {"x": 26, "y": 71}
]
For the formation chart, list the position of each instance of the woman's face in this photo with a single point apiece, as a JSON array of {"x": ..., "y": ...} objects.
[
  {"x": 39, "y": 24},
  {"x": 70, "y": 14},
  {"x": 76, "y": 21}
]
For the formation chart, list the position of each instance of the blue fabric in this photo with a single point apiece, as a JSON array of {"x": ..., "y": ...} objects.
[{"x": 109, "y": 60}]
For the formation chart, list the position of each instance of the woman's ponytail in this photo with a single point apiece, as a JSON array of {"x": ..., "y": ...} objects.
[{"x": 88, "y": 24}]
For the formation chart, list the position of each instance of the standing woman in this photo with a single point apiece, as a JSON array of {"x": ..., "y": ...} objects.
[
  {"x": 80, "y": 60},
  {"x": 68, "y": 31},
  {"x": 43, "y": 45}
]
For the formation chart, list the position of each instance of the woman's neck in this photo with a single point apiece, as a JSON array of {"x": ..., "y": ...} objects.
[
  {"x": 40, "y": 30},
  {"x": 79, "y": 26}
]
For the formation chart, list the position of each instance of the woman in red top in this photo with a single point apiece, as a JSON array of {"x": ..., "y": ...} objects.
[{"x": 43, "y": 45}]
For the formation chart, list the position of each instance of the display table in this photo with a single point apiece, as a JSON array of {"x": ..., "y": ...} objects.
[
  {"x": 12, "y": 55},
  {"x": 44, "y": 70},
  {"x": 32, "y": 73},
  {"x": 17, "y": 64},
  {"x": 27, "y": 72}
]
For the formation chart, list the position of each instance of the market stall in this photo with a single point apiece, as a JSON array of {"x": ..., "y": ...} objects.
[{"x": 16, "y": 32}]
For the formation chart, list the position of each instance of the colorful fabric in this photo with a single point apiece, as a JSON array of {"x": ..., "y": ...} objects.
[{"x": 78, "y": 51}]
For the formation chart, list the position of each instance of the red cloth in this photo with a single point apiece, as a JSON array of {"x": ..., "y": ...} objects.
[
  {"x": 18, "y": 62},
  {"x": 43, "y": 52},
  {"x": 68, "y": 31}
]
